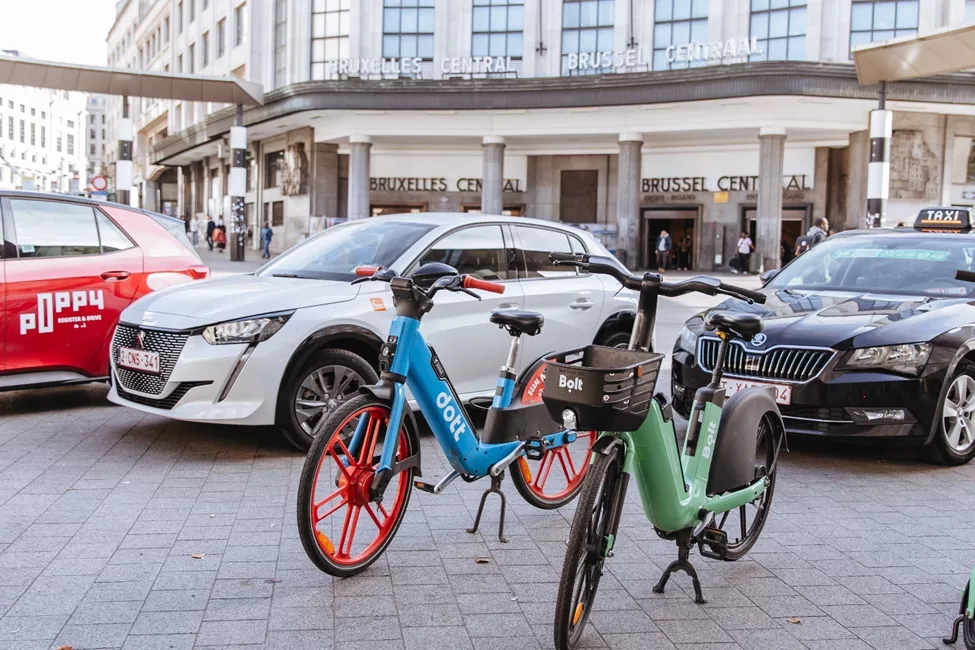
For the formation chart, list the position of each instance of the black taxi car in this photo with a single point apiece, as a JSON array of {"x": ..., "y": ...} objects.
[{"x": 870, "y": 335}]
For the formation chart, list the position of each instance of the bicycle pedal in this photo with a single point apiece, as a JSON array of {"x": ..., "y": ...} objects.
[
  {"x": 535, "y": 449},
  {"x": 425, "y": 487},
  {"x": 713, "y": 543}
]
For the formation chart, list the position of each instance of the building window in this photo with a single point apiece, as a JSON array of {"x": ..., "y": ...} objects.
[
  {"x": 43, "y": 137},
  {"x": 329, "y": 34},
  {"x": 23, "y": 131},
  {"x": 32, "y": 131},
  {"x": 872, "y": 20},
  {"x": 58, "y": 144},
  {"x": 280, "y": 42},
  {"x": 91, "y": 133},
  {"x": 192, "y": 10},
  {"x": 780, "y": 28},
  {"x": 103, "y": 134},
  {"x": 10, "y": 128},
  {"x": 91, "y": 149},
  {"x": 165, "y": 31},
  {"x": 678, "y": 22},
  {"x": 70, "y": 144},
  {"x": 33, "y": 112},
  {"x": 179, "y": 17},
  {"x": 205, "y": 50},
  {"x": 274, "y": 213},
  {"x": 273, "y": 169},
  {"x": 179, "y": 64},
  {"x": 70, "y": 124},
  {"x": 221, "y": 37},
  {"x": 44, "y": 115},
  {"x": 498, "y": 28},
  {"x": 206, "y": 4},
  {"x": 191, "y": 55},
  {"x": 408, "y": 31},
  {"x": 969, "y": 11},
  {"x": 240, "y": 15},
  {"x": 587, "y": 28}
]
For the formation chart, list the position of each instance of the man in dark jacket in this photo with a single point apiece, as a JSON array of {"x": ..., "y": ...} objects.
[
  {"x": 211, "y": 226},
  {"x": 819, "y": 232},
  {"x": 663, "y": 248}
]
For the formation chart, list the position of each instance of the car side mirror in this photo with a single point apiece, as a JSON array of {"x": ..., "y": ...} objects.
[{"x": 768, "y": 276}]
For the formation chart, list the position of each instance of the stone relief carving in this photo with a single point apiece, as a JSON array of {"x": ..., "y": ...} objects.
[
  {"x": 295, "y": 176},
  {"x": 913, "y": 168}
]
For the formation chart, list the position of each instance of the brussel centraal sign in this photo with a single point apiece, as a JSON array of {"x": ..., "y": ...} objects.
[{"x": 729, "y": 51}]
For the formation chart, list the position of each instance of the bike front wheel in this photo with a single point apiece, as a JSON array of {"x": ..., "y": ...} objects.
[
  {"x": 556, "y": 478},
  {"x": 343, "y": 529},
  {"x": 588, "y": 546}
]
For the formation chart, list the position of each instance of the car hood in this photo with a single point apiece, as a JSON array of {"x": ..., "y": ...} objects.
[
  {"x": 233, "y": 297},
  {"x": 843, "y": 320}
]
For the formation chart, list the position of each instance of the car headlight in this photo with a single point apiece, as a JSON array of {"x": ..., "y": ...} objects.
[
  {"x": 908, "y": 358},
  {"x": 687, "y": 339},
  {"x": 247, "y": 330}
]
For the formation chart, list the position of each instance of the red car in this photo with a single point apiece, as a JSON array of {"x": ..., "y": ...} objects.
[{"x": 68, "y": 268}]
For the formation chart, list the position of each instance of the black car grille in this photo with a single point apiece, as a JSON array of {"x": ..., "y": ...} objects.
[
  {"x": 167, "y": 344},
  {"x": 777, "y": 364},
  {"x": 167, "y": 403}
]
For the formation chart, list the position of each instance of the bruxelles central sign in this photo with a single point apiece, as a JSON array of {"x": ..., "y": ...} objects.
[{"x": 795, "y": 182}]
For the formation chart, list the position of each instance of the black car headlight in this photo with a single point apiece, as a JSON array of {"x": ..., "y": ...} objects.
[
  {"x": 245, "y": 330},
  {"x": 687, "y": 340},
  {"x": 907, "y": 358}
]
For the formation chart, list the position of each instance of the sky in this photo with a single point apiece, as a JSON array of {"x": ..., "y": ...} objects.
[{"x": 71, "y": 31}]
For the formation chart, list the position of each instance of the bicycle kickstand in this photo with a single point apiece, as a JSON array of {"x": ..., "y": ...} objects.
[
  {"x": 681, "y": 564},
  {"x": 494, "y": 489}
]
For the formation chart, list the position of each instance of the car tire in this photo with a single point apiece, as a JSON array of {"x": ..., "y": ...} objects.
[
  {"x": 301, "y": 379},
  {"x": 940, "y": 450},
  {"x": 614, "y": 339}
]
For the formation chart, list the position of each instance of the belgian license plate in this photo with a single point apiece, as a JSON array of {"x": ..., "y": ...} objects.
[
  {"x": 783, "y": 392},
  {"x": 139, "y": 360}
]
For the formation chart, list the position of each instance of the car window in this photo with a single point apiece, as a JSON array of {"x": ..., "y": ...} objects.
[
  {"x": 54, "y": 229},
  {"x": 576, "y": 244},
  {"x": 477, "y": 251},
  {"x": 176, "y": 228},
  {"x": 112, "y": 237},
  {"x": 532, "y": 247}
]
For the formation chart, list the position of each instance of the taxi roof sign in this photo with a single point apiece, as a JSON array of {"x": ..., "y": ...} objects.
[{"x": 949, "y": 218}]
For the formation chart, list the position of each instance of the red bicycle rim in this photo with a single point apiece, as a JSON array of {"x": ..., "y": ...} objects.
[
  {"x": 558, "y": 471},
  {"x": 346, "y": 498}
]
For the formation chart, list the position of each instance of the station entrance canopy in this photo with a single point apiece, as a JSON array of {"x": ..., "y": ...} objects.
[{"x": 915, "y": 57}]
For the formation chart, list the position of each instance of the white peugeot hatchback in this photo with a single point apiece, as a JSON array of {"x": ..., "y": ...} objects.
[{"x": 284, "y": 345}]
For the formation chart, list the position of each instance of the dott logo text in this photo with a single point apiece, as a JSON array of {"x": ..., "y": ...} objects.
[
  {"x": 49, "y": 304},
  {"x": 451, "y": 415}
]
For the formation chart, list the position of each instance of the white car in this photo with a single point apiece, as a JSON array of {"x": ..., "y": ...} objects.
[{"x": 286, "y": 344}]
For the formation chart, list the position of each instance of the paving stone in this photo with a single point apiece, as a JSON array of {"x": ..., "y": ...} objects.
[
  {"x": 93, "y": 636},
  {"x": 231, "y": 633}
]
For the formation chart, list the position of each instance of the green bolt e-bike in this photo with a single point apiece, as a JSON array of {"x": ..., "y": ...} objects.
[{"x": 727, "y": 464}]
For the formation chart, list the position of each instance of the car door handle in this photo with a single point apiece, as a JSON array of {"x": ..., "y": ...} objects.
[
  {"x": 506, "y": 305},
  {"x": 115, "y": 275},
  {"x": 581, "y": 304}
]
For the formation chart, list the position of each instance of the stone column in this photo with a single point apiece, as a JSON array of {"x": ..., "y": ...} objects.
[
  {"x": 236, "y": 187},
  {"x": 771, "y": 150},
  {"x": 360, "y": 147},
  {"x": 324, "y": 177},
  {"x": 492, "y": 178},
  {"x": 628, "y": 199}
]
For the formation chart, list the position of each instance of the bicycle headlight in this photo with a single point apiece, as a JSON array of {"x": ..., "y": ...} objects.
[
  {"x": 907, "y": 358},
  {"x": 247, "y": 330}
]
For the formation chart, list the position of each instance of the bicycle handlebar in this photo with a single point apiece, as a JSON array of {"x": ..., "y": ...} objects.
[
  {"x": 700, "y": 284},
  {"x": 475, "y": 283}
]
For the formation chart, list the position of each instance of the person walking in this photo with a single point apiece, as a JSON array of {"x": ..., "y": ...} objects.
[
  {"x": 663, "y": 248},
  {"x": 220, "y": 235},
  {"x": 819, "y": 232},
  {"x": 744, "y": 248},
  {"x": 195, "y": 231},
  {"x": 684, "y": 254},
  {"x": 211, "y": 226},
  {"x": 267, "y": 234}
]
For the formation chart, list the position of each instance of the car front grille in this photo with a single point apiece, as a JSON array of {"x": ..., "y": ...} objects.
[
  {"x": 166, "y": 403},
  {"x": 167, "y": 344},
  {"x": 776, "y": 364}
]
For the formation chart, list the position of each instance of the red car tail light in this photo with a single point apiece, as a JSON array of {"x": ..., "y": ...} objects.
[{"x": 199, "y": 272}]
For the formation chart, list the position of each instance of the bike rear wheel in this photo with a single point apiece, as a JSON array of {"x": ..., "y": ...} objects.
[
  {"x": 744, "y": 524},
  {"x": 587, "y": 547},
  {"x": 334, "y": 500},
  {"x": 557, "y": 477}
]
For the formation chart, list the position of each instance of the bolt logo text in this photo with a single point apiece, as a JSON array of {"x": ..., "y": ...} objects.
[{"x": 570, "y": 384}]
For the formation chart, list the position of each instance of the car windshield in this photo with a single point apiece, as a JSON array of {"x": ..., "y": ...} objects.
[
  {"x": 333, "y": 254},
  {"x": 911, "y": 264}
]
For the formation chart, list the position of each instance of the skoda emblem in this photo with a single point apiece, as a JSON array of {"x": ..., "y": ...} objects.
[{"x": 758, "y": 340}]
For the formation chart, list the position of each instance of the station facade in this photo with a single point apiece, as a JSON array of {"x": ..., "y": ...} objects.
[{"x": 703, "y": 118}]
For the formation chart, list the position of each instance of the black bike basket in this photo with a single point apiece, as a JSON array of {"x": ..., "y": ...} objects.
[{"x": 608, "y": 389}]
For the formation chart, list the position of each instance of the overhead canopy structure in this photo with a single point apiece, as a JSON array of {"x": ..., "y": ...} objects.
[
  {"x": 911, "y": 57},
  {"x": 21, "y": 71}
]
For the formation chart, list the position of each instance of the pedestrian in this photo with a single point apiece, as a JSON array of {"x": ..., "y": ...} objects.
[
  {"x": 266, "y": 236},
  {"x": 663, "y": 248},
  {"x": 211, "y": 226},
  {"x": 745, "y": 247},
  {"x": 684, "y": 254},
  {"x": 195, "y": 231},
  {"x": 819, "y": 232},
  {"x": 220, "y": 235}
]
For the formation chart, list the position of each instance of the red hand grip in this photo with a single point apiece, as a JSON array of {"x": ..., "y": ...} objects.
[
  {"x": 483, "y": 285},
  {"x": 366, "y": 271}
]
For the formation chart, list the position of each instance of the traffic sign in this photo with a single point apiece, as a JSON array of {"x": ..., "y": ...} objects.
[{"x": 99, "y": 183}]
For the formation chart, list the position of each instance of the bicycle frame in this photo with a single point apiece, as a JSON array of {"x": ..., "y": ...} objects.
[
  {"x": 671, "y": 483},
  {"x": 435, "y": 395}
]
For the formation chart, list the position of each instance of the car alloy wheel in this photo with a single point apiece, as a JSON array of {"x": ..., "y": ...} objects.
[
  {"x": 959, "y": 414},
  {"x": 322, "y": 391}
]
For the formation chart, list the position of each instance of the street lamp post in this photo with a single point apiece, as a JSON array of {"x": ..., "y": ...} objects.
[
  {"x": 238, "y": 186},
  {"x": 123, "y": 166},
  {"x": 878, "y": 170}
]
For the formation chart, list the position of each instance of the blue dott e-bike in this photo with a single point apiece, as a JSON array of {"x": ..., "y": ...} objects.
[{"x": 357, "y": 478}]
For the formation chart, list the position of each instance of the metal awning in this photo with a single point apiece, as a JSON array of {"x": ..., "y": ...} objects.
[
  {"x": 21, "y": 71},
  {"x": 911, "y": 57}
]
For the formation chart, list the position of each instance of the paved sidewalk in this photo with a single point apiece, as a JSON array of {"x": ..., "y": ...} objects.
[{"x": 120, "y": 530}]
